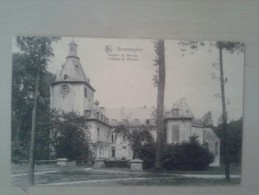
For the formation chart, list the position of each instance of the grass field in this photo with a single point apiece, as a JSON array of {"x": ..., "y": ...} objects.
[{"x": 83, "y": 176}]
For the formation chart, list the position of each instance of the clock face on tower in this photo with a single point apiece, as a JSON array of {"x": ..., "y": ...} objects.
[{"x": 64, "y": 90}]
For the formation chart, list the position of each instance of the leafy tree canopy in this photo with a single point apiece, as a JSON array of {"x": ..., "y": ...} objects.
[
  {"x": 70, "y": 136},
  {"x": 136, "y": 135}
]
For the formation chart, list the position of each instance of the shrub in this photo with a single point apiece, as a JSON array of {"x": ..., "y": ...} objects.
[
  {"x": 147, "y": 153},
  {"x": 18, "y": 153},
  {"x": 187, "y": 156}
]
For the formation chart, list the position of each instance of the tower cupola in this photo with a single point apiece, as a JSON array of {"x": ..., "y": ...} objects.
[{"x": 72, "y": 49}]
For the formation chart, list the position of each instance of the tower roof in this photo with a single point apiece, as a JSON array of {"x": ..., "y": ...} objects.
[
  {"x": 183, "y": 110},
  {"x": 72, "y": 70}
]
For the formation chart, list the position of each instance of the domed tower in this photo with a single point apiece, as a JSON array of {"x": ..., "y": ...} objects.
[{"x": 72, "y": 91}]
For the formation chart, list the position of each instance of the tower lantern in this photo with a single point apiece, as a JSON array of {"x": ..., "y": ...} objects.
[{"x": 72, "y": 49}]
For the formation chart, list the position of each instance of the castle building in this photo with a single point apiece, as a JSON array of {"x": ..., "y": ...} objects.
[{"x": 72, "y": 91}]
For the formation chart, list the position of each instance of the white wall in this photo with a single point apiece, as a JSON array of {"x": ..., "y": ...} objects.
[
  {"x": 184, "y": 130},
  {"x": 74, "y": 100}
]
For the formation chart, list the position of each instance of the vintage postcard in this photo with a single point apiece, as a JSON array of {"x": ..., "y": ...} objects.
[{"x": 115, "y": 112}]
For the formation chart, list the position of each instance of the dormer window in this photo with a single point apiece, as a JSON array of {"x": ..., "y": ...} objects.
[
  {"x": 87, "y": 113},
  {"x": 65, "y": 77},
  {"x": 175, "y": 112}
]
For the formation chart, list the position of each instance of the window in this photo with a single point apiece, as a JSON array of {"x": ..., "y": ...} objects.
[
  {"x": 112, "y": 138},
  {"x": 98, "y": 134},
  {"x": 147, "y": 121},
  {"x": 87, "y": 113},
  {"x": 175, "y": 112},
  {"x": 113, "y": 152},
  {"x": 85, "y": 92},
  {"x": 216, "y": 148},
  {"x": 206, "y": 145},
  {"x": 175, "y": 133},
  {"x": 65, "y": 77},
  {"x": 72, "y": 48}
]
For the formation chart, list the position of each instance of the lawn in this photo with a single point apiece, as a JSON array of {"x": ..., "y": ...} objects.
[
  {"x": 83, "y": 176},
  {"x": 234, "y": 170}
]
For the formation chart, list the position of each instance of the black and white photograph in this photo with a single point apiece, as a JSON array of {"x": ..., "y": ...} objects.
[{"x": 126, "y": 112}]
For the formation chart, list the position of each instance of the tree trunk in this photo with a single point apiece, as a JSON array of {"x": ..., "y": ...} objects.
[
  {"x": 224, "y": 115},
  {"x": 33, "y": 129},
  {"x": 18, "y": 130},
  {"x": 160, "y": 104}
]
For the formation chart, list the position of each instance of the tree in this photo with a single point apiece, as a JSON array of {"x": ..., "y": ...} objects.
[
  {"x": 23, "y": 83},
  {"x": 37, "y": 51},
  {"x": 230, "y": 47},
  {"x": 234, "y": 134},
  {"x": 136, "y": 135},
  {"x": 70, "y": 137},
  {"x": 159, "y": 80}
]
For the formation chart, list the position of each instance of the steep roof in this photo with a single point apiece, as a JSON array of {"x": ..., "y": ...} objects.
[
  {"x": 72, "y": 70},
  {"x": 184, "y": 111},
  {"x": 130, "y": 114}
]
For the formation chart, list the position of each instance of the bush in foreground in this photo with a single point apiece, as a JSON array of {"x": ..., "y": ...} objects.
[
  {"x": 147, "y": 154},
  {"x": 185, "y": 156}
]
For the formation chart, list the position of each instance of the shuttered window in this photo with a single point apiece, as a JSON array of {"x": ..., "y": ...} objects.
[{"x": 175, "y": 133}]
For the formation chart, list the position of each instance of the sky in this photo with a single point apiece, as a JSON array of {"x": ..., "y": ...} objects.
[{"x": 121, "y": 71}]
